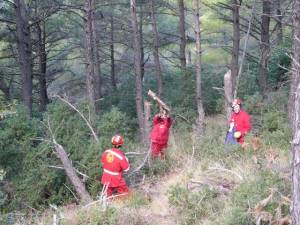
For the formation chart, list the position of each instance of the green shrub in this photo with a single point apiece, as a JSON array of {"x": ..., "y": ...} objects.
[
  {"x": 116, "y": 121},
  {"x": 253, "y": 104}
]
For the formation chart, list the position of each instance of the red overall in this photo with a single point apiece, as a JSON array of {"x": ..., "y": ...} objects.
[
  {"x": 242, "y": 124},
  {"x": 114, "y": 163},
  {"x": 160, "y": 135}
]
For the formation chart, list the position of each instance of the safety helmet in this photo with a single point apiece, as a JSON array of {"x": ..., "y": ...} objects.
[
  {"x": 117, "y": 140},
  {"x": 236, "y": 101}
]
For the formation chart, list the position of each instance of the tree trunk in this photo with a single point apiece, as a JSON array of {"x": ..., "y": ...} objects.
[
  {"x": 43, "y": 95},
  {"x": 279, "y": 29},
  {"x": 182, "y": 34},
  {"x": 236, "y": 43},
  {"x": 24, "y": 52},
  {"x": 189, "y": 57},
  {"x": 295, "y": 209},
  {"x": 89, "y": 55},
  {"x": 96, "y": 56},
  {"x": 147, "y": 107},
  {"x": 200, "y": 116},
  {"x": 295, "y": 94},
  {"x": 71, "y": 173},
  {"x": 112, "y": 53},
  {"x": 228, "y": 94},
  {"x": 264, "y": 46},
  {"x": 155, "y": 49},
  {"x": 142, "y": 43},
  {"x": 138, "y": 71}
]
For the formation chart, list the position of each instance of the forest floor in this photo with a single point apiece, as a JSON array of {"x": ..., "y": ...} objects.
[{"x": 159, "y": 211}]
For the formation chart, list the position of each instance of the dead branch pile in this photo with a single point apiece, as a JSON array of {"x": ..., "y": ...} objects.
[
  {"x": 260, "y": 213},
  {"x": 217, "y": 178}
]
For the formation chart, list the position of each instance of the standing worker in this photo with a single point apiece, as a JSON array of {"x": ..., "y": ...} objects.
[
  {"x": 114, "y": 163},
  {"x": 160, "y": 133},
  {"x": 239, "y": 122}
]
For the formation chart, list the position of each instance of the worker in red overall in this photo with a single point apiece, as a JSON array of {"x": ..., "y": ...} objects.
[
  {"x": 160, "y": 134},
  {"x": 114, "y": 163},
  {"x": 240, "y": 121}
]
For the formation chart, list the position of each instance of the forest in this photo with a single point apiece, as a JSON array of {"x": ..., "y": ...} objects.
[{"x": 74, "y": 73}]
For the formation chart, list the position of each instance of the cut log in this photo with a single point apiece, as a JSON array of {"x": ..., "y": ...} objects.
[{"x": 158, "y": 100}]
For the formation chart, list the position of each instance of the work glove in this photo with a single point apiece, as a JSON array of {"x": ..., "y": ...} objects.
[{"x": 237, "y": 134}]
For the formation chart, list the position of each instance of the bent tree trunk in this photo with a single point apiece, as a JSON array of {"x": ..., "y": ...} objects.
[{"x": 71, "y": 173}]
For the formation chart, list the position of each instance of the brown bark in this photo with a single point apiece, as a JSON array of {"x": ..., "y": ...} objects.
[
  {"x": 182, "y": 34},
  {"x": 71, "y": 173},
  {"x": 42, "y": 55},
  {"x": 155, "y": 49},
  {"x": 24, "y": 52},
  {"x": 236, "y": 43},
  {"x": 112, "y": 54},
  {"x": 91, "y": 80},
  {"x": 141, "y": 15},
  {"x": 96, "y": 56},
  {"x": 138, "y": 71},
  {"x": 279, "y": 28},
  {"x": 264, "y": 45},
  {"x": 200, "y": 110},
  {"x": 295, "y": 106}
]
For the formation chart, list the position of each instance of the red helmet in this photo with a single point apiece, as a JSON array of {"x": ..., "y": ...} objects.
[
  {"x": 117, "y": 140},
  {"x": 236, "y": 101}
]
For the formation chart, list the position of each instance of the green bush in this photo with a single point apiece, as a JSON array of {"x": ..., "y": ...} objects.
[
  {"x": 27, "y": 160},
  {"x": 253, "y": 104},
  {"x": 116, "y": 122}
]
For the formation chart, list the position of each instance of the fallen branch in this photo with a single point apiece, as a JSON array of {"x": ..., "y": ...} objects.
[
  {"x": 222, "y": 188},
  {"x": 77, "y": 171},
  {"x": 71, "y": 192},
  {"x": 185, "y": 119},
  {"x": 228, "y": 171},
  {"x": 81, "y": 114},
  {"x": 143, "y": 163},
  {"x": 70, "y": 171},
  {"x": 135, "y": 153}
]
